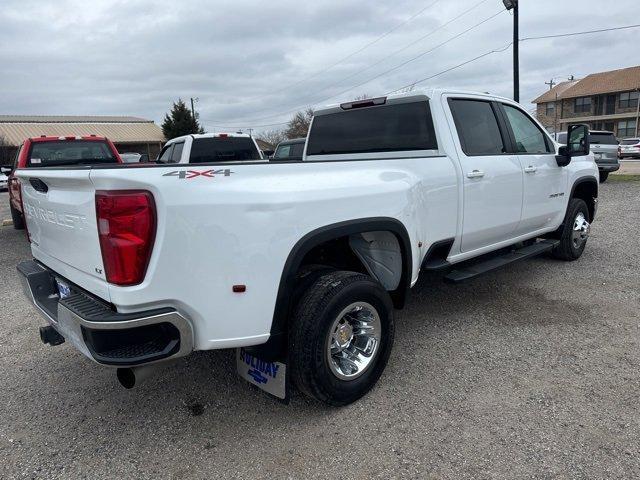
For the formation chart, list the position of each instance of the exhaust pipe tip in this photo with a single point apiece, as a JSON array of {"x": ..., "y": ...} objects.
[
  {"x": 126, "y": 377},
  {"x": 132, "y": 376}
]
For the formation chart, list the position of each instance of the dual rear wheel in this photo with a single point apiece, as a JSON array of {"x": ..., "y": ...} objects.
[{"x": 340, "y": 336}]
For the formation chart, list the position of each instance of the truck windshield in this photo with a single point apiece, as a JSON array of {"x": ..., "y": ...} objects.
[
  {"x": 385, "y": 128},
  {"x": 223, "y": 149},
  {"x": 70, "y": 152}
]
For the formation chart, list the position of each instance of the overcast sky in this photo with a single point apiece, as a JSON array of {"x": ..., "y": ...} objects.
[{"x": 251, "y": 63}]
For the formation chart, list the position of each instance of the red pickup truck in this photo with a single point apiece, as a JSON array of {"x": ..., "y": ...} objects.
[{"x": 45, "y": 151}]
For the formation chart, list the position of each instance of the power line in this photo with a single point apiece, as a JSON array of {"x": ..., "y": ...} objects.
[
  {"x": 336, "y": 83},
  {"x": 385, "y": 71},
  {"x": 586, "y": 32},
  {"x": 387, "y": 33},
  {"x": 580, "y": 33},
  {"x": 502, "y": 49},
  {"x": 508, "y": 45}
]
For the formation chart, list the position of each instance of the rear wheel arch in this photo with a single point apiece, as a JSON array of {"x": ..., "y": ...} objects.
[{"x": 326, "y": 234}]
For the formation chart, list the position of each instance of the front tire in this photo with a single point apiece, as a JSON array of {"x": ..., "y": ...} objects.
[
  {"x": 604, "y": 176},
  {"x": 575, "y": 231},
  {"x": 340, "y": 337},
  {"x": 17, "y": 218}
]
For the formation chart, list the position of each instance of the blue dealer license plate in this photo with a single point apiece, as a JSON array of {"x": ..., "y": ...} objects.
[{"x": 268, "y": 376}]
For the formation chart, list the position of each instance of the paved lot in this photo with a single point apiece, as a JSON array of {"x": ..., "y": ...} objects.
[{"x": 532, "y": 371}]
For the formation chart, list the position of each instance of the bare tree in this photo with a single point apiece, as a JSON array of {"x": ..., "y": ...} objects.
[
  {"x": 299, "y": 125},
  {"x": 272, "y": 137}
]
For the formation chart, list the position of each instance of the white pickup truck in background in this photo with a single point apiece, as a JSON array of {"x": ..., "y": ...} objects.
[
  {"x": 300, "y": 264},
  {"x": 210, "y": 148}
]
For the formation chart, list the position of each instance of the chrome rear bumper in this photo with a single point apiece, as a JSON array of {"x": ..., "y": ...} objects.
[{"x": 101, "y": 333}]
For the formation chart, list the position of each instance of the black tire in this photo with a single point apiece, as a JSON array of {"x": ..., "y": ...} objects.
[
  {"x": 568, "y": 249},
  {"x": 306, "y": 277},
  {"x": 604, "y": 176},
  {"x": 309, "y": 332},
  {"x": 18, "y": 219}
]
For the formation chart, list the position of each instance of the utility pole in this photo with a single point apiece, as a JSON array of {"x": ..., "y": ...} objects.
[
  {"x": 513, "y": 5},
  {"x": 193, "y": 112},
  {"x": 551, "y": 83}
]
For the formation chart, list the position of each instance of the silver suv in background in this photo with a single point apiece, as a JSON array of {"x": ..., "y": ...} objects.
[
  {"x": 629, "y": 148},
  {"x": 604, "y": 146}
]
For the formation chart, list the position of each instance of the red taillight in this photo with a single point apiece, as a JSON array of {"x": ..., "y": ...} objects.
[{"x": 126, "y": 228}]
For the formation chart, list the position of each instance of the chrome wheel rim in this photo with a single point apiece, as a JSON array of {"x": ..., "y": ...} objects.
[
  {"x": 353, "y": 341},
  {"x": 580, "y": 231}
]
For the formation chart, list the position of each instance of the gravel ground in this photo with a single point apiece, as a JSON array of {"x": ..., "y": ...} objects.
[
  {"x": 628, "y": 167},
  {"x": 530, "y": 371}
]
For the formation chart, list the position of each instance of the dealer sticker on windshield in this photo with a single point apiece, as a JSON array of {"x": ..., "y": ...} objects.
[{"x": 268, "y": 376}]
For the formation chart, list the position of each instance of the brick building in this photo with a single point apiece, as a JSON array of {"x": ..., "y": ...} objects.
[{"x": 604, "y": 101}]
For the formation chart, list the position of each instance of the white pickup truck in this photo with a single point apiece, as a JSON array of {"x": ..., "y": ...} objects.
[{"x": 300, "y": 264}]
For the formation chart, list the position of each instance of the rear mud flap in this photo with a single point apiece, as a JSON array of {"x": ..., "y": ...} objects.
[{"x": 270, "y": 377}]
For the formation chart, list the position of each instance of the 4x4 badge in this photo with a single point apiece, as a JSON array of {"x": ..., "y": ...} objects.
[{"x": 182, "y": 174}]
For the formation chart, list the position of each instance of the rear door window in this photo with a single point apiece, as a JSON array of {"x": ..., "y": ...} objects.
[
  {"x": 386, "y": 128},
  {"x": 477, "y": 127},
  {"x": 630, "y": 141},
  {"x": 223, "y": 149}
]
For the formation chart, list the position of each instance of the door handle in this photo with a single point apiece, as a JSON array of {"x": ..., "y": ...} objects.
[
  {"x": 475, "y": 174},
  {"x": 530, "y": 169}
]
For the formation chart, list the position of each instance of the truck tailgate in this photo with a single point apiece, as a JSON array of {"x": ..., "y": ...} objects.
[{"x": 60, "y": 212}]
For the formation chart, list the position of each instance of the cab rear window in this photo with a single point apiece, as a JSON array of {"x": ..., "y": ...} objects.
[
  {"x": 385, "y": 128},
  {"x": 70, "y": 152},
  {"x": 223, "y": 149}
]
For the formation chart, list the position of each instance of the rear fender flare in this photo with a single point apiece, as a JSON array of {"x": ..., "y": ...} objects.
[{"x": 330, "y": 232}]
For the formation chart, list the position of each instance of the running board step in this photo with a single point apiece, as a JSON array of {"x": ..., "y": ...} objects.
[{"x": 472, "y": 271}]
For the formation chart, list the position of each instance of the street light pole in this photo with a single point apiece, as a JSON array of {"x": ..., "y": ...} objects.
[{"x": 513, "y": 5}]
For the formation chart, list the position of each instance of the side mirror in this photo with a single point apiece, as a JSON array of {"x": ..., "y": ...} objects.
[
  {"x": 577, "y": 145},
  {"x": 6, "y": 170}
]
